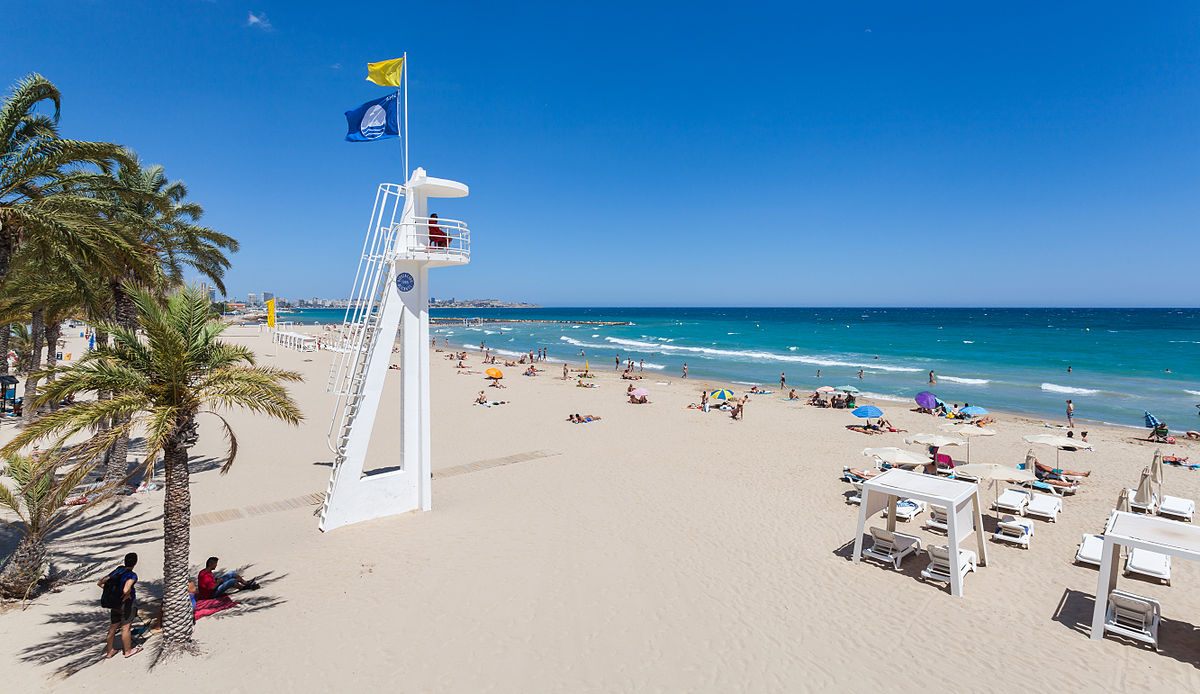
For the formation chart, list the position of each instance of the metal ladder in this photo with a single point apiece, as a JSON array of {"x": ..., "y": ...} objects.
[{"x": 355, "y": 344}]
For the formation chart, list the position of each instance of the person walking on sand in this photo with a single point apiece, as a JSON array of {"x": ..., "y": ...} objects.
[
  {"x": 782, "y": 380},
  {"x": 617, "y": 365},
  {"x": 704, "y": 399},
  {"x": 684, "y": 369},
  {"x": 564, "y": 372},
  {"x": 1070, "y": 414},
  {"x": 121, "y": 600}
]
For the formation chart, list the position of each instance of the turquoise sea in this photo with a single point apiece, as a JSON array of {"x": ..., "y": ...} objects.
[{"x": 1123, "y": 361}]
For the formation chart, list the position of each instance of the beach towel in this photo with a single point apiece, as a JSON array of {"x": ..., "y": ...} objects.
[{"x": 212, "y": 606}]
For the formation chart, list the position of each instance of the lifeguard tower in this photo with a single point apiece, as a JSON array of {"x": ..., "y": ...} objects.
[{"x": 390, "y": 294}]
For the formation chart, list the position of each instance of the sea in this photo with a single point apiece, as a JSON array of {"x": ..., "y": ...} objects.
[{"x": 1114, "y": 364}]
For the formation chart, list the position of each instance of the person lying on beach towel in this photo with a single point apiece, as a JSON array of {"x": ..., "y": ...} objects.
[
  {"x": 850, "y": 474},
  {"x": 863, "y": 429},
  {"x": 1057, "y": 472},
  {"x": 885, "y": 425},
  {"x": 581, "y": 384},
  {"x": 584, "y": 419}
]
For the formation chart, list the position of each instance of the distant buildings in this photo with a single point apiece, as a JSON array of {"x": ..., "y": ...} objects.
[{"x": 252, "y": 299}]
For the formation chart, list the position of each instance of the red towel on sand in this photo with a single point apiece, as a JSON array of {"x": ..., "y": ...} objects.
[{"x": 213, "y": 605}]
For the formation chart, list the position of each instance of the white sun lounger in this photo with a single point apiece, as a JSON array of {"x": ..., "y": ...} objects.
[
  {"x": 1142, "y": 508},
  {"x": 907, "y": 509},
  {"x": 1177, "y": 507},
  {"x": 856, "y": 497},
  {"x": 1091, "y": 549},
  {"x": 937, "y": 518},
  {"x": 891, "y": 547},
  {"x": 1018, "y": 532},
  {"x": 1147, "y": 563},
  {"x": 1133, "y": 616},
  {"x": 1013, "y": 501},
  {"x": 939, "y": 563},
  {"x": 1044, "y": 506}
]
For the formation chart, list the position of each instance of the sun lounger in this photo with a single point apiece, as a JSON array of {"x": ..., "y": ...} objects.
[
  {"x": 937, "y": 518},
  {"x": 964, "y": 477},
  {"x": 1013, "y": 501},
  {"x": 856, "y": 497},
  {"x": 1133, "y": 616},
  {"x": 1147, "y": 563},
  {"x": 1091, "y": 549},
  {"x": 1044, "y": 506},
  {"x": 1142, "y": 508},
  {"x": 939, "y": 563},
  {"x": 907, "y": 509},
  {"x": 1018, "y": 532},
  {"x": 1177, "y": 507},
  {"x": 891, "y": 547}
]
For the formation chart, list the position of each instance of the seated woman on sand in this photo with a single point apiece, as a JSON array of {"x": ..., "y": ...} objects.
[
  {"x": 530, "y": 371},
  {"x": 481, "y": 399},
  {"x": 792, "y": 395},
  {"x": 638, "y": 399}
]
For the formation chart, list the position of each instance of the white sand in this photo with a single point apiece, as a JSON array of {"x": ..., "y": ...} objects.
[{"x": 661, "y": 549}]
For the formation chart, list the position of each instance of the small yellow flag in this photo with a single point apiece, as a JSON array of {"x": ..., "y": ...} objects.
[
  {"x": 386, "y": 73},
  {"x": 271, "y": 313}
]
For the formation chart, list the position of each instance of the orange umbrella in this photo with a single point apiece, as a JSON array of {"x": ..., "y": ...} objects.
[{"x": 494, "y": 373}]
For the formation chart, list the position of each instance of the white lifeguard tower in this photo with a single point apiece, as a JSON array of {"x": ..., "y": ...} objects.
[{"x": 390, "y": 294}]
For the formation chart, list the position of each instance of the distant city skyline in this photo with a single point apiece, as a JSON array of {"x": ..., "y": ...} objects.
[{"x": 786, "y": 154}]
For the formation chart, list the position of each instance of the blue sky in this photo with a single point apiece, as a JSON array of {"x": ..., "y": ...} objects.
[{"x": 673, "y": 153}]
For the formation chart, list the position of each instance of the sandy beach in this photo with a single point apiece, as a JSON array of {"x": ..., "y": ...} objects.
[{"x": 659, "y": 549}]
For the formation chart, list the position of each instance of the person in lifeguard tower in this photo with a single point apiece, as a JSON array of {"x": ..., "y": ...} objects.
[{"x": 437, "y": 237}]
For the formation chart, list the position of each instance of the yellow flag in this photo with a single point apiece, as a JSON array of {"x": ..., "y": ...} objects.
[
  {"x": 271, "y": 313},
  {"x": 386, "y": 73}
]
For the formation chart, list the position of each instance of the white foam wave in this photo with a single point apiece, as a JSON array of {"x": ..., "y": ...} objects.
[
  {"x": 581, "y": 343},
  {"x": 490, "y": 332},
  {"x": 506, "y": 329},
  {"x": 749, "y": 355},
  {"x": 1191, "y": 392},
  {"x": 881, "y": 396},
  {"x": 968, "y": 342},
  {"x": 1055, "y": 388},
  {"x": 964, "y": 381},
  {"x": 656, "y": 367},
  {"x": 595, "y": 334}
]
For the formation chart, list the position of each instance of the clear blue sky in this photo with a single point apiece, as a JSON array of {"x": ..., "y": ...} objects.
[{"x": 682, "y": 154}]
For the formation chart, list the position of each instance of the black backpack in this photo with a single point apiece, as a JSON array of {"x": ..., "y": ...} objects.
[{"x": 114, "y": 588}]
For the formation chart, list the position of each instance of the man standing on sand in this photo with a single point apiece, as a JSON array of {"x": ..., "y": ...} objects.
[
  {"x": 617, "y": 365},
  {"x": 1070, "y": 414},
  {"x": 122, "y": 617},
  {"x": 564, "y": 372},
  {"x": 642, "y": 365},
  {"x": 782, "y": 380},
  {"x": 685, "y": 369}
]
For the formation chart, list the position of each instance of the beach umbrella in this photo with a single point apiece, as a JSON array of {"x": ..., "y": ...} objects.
[
  {"x": 969, "y": 432},
  {"x": 1151, "y": 421},
  {"x": 639, "y": 392},
  {"x": 927, "y": 400},
  {"x": 866, "y": 412},
  {"x": 1059, "y": 442},
  {"x": 936, "y": 440},
  {"x": 1156, "y": 470},
  {"x": 896, "y": 456},
  {"x": 494, "y": 373},
  {"x": 996, "y": 473},
  {"x": 848, "y": 389},
  {"x": 1144, "y": 497},
  {"x": 1123, "y": 501},
  {"x": 825, "y": 389},
  {"x": 973, "y": 411},
  {"x": 721, "y": 394}
]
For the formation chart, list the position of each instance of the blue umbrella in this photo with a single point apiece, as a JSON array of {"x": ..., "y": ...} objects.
[
  {"x": 973, "y": 410},
  {"x": 1152, "y": 421},
  {"x": 867, "y": 411}
]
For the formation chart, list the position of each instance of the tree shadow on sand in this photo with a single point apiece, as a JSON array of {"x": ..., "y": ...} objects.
[{"x": 78, "y": 642}]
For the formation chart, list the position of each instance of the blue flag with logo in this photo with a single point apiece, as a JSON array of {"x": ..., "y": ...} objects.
[{"x": 374, "y": 120}]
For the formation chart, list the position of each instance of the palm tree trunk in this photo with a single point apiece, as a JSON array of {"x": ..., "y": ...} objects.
[
  {"x": 24, "y": 568},
  {"x": 177, "y": 524},
  {"x": 53, "y": 330},
  {"x": 36, "y": 333},
  {"x": 125, "y": 315},
  {"x": 5, "y": 334}
]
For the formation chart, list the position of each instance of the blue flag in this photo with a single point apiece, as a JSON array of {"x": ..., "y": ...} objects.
[{"x": 374, "y": 120}]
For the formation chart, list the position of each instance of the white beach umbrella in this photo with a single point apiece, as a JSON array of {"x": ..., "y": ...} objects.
[
  {"x": 996, "y": 473},
  {"x": 969, "y": 432},
  {"x": 1144, "y": 496},
  {"x": 938, "y": 440},
  {"x": 1123, "y": 501},
  {"x": 896, "y": 456},
  {"x": 1058, "y": 442},
  {"x": 1156, "y": 470}
]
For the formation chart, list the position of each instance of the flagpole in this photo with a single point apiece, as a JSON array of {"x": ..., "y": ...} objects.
[{"x": 405, "y": 64}]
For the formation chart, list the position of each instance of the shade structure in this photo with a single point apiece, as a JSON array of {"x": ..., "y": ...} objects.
[
  {"x": 1151, "y": 421},
  {"x": 825, "y": 389},
  {"x": 896, "y": 456},
  {"x": 973, "y": 410},
  {"x": 866, "y": 412},
  {"x": 847, "y": 389},
  {"x": 1057, "y": 441},
  {"x": 1156, "y": 470},
  {"x": 970, "y": 432},
  {"x": 996, "y": 473},
  {"x": 721, "y": 394},
  {"x": 639, "y": 392},
  {"x": 927, "y": 400},
  {"x": 937, "y": 440},
  {"x": 494, "y": 373},
  {"x": 1144, "y": 496}
]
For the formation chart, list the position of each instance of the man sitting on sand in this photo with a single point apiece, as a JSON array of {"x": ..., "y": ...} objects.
[
  {"x": 208, "y": 586},
  {"x": 481, "y": 399}
]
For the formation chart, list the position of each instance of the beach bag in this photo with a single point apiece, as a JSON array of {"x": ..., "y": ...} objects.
[{"x": 114, "y": 588}]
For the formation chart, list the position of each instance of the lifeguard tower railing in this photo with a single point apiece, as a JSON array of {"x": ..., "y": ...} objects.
[{"x": 437, "y": 241}]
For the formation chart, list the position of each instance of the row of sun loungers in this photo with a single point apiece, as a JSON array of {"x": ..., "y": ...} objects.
[
  {"x": 1174, "y": 507},
  {"x": 1139, "y": 561},
  {"x": 893, "y": 547}
]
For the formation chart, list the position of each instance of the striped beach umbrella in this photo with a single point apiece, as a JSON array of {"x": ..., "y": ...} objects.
[{"x": 721, "y": 394}]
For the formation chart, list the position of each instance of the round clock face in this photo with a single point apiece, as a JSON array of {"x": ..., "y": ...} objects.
[{"x": 404, "y": 282}]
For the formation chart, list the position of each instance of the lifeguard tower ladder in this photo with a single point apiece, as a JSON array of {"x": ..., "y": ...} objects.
[{"x": 391, "y": 292}]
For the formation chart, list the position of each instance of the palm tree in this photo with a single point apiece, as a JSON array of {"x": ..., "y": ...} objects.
[
  {"x": 37, "y": 498},
  {"x": 161, "y": 385},
  {"x": 164, "y": 228}
]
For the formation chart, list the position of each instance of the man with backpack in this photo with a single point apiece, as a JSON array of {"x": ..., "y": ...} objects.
[{"x": 119, "y": 598}]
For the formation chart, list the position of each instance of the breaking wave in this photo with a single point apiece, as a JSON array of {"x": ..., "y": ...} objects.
[
  {"x": 1055, "y": 388},
  {"x": 964, "y": 381},
  {"x": 749, "y": 355}
]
